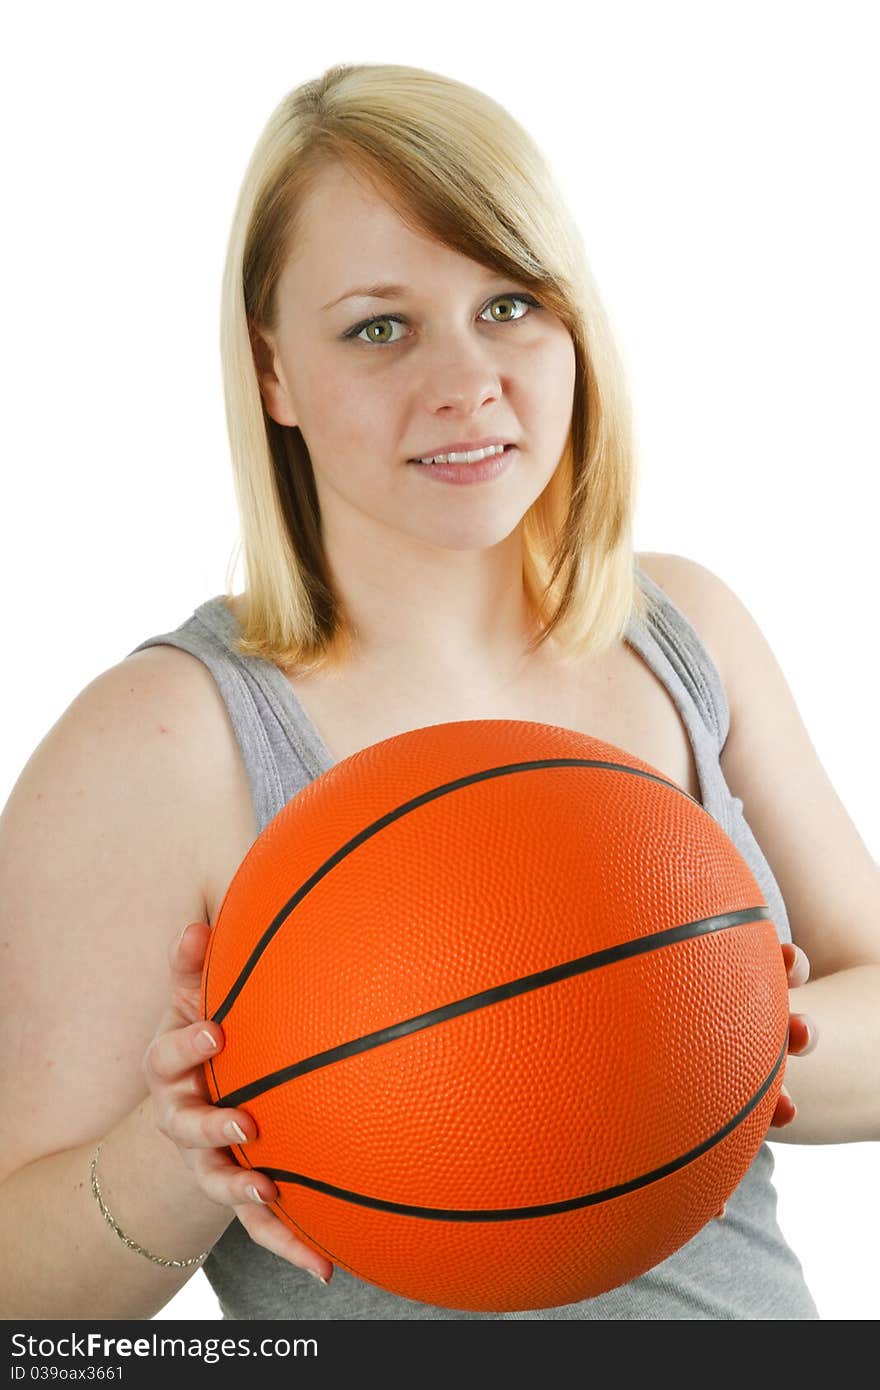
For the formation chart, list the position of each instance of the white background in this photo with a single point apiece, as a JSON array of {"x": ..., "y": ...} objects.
[{"x": 721, "y": 162}]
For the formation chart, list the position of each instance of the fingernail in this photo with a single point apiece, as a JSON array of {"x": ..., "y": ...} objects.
[
  {"x": 320, "y": 1278},
  {"x": 205, "y": 1042},
  {"x": 255, "y": 1196},
  {"x": 234, "y": 1131}
]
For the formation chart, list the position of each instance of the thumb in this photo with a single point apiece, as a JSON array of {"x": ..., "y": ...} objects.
[{"x": 187, "y": 957}]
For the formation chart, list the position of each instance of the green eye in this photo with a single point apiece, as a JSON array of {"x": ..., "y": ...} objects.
[{"x": 367, "y": 324}]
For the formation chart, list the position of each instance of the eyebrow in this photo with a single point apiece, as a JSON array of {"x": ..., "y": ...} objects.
[
  {"x": 380, "y": 291},
  {"x": 386, "y": 291}
]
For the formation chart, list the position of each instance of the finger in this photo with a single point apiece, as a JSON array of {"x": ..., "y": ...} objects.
[
  {"x": 173, "y": 1053},
  {"x": 195, "y": 1125},
  {"x": 785, "y": 1110},
  {"x": 797, "y": 964},
  {"x": 268, "y": 1230},
  {"x": 802, "y": 1034},
  {"x": 187, "y": 954},
  {"x": 228, "y": 1183},
  {"x": 187, "y": 958}
]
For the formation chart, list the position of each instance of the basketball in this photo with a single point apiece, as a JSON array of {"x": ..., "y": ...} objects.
[{"x": 508, "y": 1010}]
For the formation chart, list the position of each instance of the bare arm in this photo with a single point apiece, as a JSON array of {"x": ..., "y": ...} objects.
[
  {"x": 62, "y": 1260},
  {"x": 100, "y": 870},
  {"x": 825, "y": 871},
  {"x": 837, "y": 1092}
]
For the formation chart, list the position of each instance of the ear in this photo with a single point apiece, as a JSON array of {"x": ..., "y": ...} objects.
[{"x": 272, "y": 388}]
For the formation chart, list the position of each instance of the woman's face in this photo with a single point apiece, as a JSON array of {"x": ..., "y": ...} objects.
[{"x": 462, "y": 359}]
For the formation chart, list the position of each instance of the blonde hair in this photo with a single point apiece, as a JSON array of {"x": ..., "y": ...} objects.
[{"x": 457, "y": 166}]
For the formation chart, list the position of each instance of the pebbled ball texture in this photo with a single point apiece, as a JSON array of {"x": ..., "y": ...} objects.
[{"x": 505, "y": 1142}]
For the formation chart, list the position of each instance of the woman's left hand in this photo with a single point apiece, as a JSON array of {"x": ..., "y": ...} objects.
[{"x": 802, "y": 1031}]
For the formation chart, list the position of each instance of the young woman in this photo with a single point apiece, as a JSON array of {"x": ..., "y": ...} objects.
[{"x": 402, "y": 281}]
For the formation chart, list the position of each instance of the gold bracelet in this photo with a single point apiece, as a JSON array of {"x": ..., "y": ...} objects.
[{"x": 132, "y": 1244}]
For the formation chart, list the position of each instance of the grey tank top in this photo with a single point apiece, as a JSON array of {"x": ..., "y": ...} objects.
[{"x": 737, "y": 1268}]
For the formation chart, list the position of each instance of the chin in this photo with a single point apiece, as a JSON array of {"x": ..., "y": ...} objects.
[{"x": 482, "y": 534}]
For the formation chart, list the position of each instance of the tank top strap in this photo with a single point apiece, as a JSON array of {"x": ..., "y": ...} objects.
[{"x": 674, "y": 651}]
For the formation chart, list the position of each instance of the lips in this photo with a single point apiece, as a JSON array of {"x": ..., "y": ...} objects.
[
  {"x": 483, "y": 471},
  {"x": 462, "y": 446},
  {"x": 506, "y": 447}
]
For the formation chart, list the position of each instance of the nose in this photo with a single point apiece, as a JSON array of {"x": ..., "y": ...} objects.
[{"x": 461, "y": 375}]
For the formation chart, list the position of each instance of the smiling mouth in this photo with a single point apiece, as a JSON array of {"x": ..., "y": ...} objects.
[{"x": 459, "y": 462}]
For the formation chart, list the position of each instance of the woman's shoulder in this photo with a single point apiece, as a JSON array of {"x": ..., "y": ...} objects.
[
  {"x": 214, "y": 801},
  {"x": 160, "y": 713},
  {"x": 158, "y": 708},
  {"x": 175, "y": 672},
  {"x": 180, "y": 693}
]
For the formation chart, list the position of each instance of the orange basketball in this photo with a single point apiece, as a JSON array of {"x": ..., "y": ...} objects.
[{"x": 507, "y": 1008}]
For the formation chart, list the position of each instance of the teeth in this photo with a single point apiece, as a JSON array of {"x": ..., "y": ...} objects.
[{"x": 473, "y": 457}]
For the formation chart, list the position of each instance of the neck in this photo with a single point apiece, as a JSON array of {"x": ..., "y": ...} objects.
[{"x": 431, "y": 611}]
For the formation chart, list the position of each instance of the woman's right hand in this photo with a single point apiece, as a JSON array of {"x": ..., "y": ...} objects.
[{"x": 183, "y": 1110}]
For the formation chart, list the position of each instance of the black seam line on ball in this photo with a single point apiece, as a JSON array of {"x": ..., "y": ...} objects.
[
  {"x": 399, "y": 811},
  {"x": 495, "y": 995},
  {"x": 589, "y": 1199}
]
